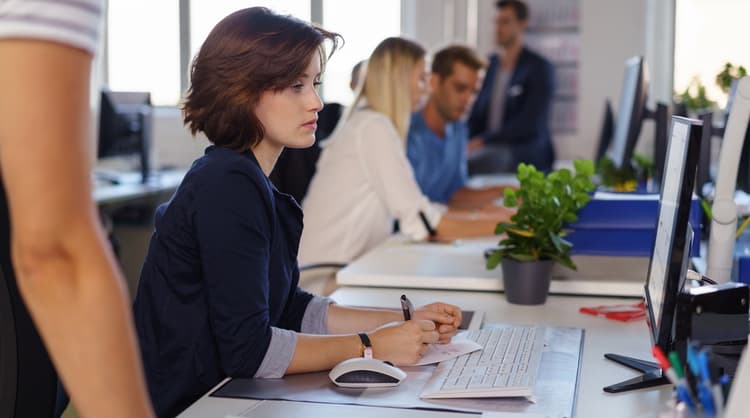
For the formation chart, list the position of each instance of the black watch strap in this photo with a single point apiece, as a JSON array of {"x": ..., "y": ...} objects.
[{"x": 367, "y": 351}]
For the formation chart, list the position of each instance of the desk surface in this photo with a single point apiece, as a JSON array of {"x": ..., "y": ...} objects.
[
  {"x": 601, "y": 336},
  {"x": 164, "y": 181},
  {"x": 400, "y": 263}
]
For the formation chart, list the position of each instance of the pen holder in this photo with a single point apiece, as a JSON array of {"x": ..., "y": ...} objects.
[{"x": 681, "y": 411}]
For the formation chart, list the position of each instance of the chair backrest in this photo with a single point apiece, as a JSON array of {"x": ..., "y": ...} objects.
[
  {"x": 295, "y": 167},
  {"x": 28, "y": 382}
]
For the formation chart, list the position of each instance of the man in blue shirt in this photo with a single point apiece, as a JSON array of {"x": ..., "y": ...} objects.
[{"x": 437, "y": 138}]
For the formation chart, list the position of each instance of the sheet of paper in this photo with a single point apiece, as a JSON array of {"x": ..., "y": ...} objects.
[{"x": 440, "y": 352}]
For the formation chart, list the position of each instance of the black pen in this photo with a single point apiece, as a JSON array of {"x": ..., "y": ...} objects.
[
  {"x": 427, "y": 225},
  {"x": 406, "y": 307}
]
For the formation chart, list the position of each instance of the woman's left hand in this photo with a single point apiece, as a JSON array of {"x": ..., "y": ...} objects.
[{"x": 447, "y": 318}]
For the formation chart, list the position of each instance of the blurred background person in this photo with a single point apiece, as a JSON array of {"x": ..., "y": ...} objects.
[
  {"x": 364, "y": 181},
  {"x": 509, "y": 122},
  {"x": 438, "y": 137}
]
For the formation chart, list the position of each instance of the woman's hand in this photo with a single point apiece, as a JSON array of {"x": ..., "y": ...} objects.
[
  {"x": 403, "y": 343},
  {"x": 446, "y": 317}
]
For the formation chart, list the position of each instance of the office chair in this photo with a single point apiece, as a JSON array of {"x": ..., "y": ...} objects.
[
  {"x": 28, "y": 382},
  {"x": 295, "y": 167},
  {"x": 319, "y": 278}
]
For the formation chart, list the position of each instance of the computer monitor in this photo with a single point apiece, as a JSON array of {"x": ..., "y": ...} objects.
[
  {"x": 717, "y": 130},
  {"x": 670, "y": 255},
  {"x": 606, "y": 131},
  {"x": 125, "y": 127},
  {"x": 630, "y": 112}
]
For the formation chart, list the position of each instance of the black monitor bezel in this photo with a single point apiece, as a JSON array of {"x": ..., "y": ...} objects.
[
  {"x": 114, "y": 107},
  {"x": 662, "y": 329},
  {"x": 606, "y": 131}
]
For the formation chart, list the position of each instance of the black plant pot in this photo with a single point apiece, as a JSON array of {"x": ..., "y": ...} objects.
[{"x": 526, "y": 282}]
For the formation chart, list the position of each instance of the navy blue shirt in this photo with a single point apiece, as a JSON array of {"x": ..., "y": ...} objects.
[
  {"x": 439, "y": 164},
  {"x": 220, "y": 271},
  {"x": 526, "y": 114}
]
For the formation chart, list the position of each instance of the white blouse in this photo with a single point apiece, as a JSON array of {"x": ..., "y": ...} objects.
[
  {"x": 363, "y": 183},
  {"x": 71, "y": 22}
]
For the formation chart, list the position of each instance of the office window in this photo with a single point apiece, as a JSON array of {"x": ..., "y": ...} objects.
[
  {"x": 363, "y": 25},
  {"x": 707, "y": 35},
  {"x": 143, "y": 48},
  {"x": 204, "y": 15}
]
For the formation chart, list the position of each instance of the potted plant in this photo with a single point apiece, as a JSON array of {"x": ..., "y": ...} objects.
[{"x": 535, "y": 238}]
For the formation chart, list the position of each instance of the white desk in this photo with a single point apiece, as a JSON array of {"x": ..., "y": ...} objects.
[
  {"x": 403, "y": 264},
  {"x": 601, "y": 336}
]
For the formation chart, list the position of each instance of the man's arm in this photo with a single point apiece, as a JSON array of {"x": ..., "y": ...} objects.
[
  {"x": 469, "y": 198},
  {"x": 66, "y": 273}
]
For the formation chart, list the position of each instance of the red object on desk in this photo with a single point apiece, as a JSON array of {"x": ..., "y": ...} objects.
[{"x": 624, "y": 312}]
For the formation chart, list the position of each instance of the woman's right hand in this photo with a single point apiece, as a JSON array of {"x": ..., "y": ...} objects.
[{"x": 403, "y": 343}]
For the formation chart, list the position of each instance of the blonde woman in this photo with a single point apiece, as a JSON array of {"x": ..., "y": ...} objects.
[{"x": 364, "y": 181}]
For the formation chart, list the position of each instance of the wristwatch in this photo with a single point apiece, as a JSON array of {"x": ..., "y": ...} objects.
[{"x": 366, "y": 345}]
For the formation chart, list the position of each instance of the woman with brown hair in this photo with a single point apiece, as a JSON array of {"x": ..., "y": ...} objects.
[{"x": 218, "y": 294}]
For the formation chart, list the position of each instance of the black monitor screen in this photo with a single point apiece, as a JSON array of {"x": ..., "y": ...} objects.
[
  {"x": 123, "y": 123},
  {"x": 630, "y": 112},
  {"x": 670, "y": 253},
  {"x": 606, "y": 131}
]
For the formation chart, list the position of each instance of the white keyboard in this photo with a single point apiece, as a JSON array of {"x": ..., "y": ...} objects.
[{"x": 507, "y": 366}]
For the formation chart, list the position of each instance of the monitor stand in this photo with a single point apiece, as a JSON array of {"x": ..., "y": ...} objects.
[{"x": 651, "y": 376}]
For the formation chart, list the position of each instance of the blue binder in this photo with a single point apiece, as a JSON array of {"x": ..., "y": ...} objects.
[{"x": 616, "y": 224}]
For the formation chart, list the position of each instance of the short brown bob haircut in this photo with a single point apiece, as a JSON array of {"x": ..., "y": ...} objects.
[
  {"x": 249, "y": 52},
  {"x": 442, "y": 62}
]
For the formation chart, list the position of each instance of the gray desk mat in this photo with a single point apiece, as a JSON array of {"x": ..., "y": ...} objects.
[{"x": 555, "y": 391}]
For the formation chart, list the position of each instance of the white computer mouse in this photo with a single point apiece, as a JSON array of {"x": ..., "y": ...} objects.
[{"x": 363, "y": 372}]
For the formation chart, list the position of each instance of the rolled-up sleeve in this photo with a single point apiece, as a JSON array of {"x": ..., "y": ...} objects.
[
  {"x": 315, "y": 320},
  {"x": 284, "y": 342},
  {"x": 234, "y": 235},
  {"x": 279, "y": 354}
]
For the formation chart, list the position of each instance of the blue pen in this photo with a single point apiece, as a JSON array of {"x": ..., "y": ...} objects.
[
  {"x": 705, "y": 392},
  {"x": 726, "y": 383},
  {"x": 683, "y": 391},
  {"x": 692, "y": 359}
]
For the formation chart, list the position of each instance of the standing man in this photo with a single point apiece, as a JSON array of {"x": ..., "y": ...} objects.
[
  {"x": 438, "y": 138},
  {"x": 509, "y": 122}
]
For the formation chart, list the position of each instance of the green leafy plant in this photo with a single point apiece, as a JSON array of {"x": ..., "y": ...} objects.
[
  {"x": 545, "y": 204},
  {"x": 728, "y": 74},
  {"x": 625, "y": 179},
  {"x": 694, "y": 97}
]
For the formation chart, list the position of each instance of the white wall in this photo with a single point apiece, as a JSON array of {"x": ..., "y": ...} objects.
[
  {"x": 611, "y": 32},
  {"x": 173, "y": 144}
]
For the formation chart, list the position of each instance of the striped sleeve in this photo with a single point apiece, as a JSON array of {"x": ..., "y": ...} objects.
[{"x": 71, "y": 22}]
